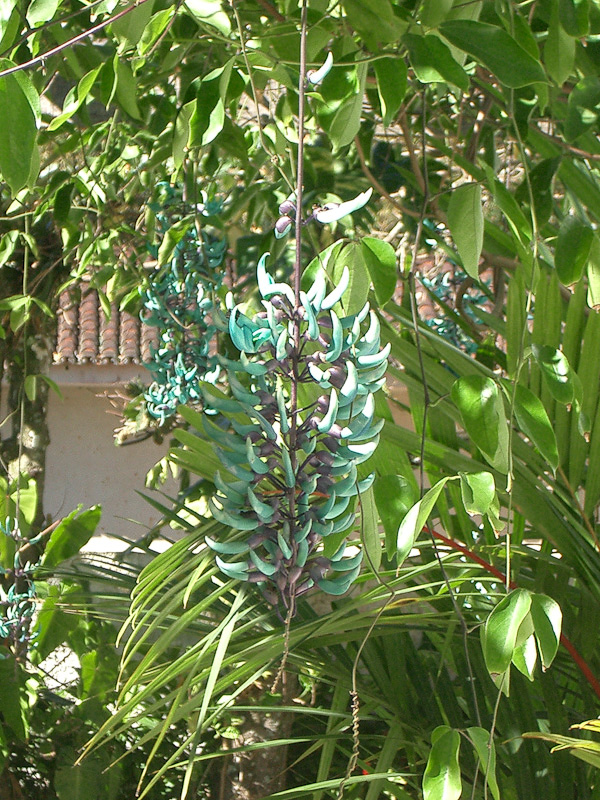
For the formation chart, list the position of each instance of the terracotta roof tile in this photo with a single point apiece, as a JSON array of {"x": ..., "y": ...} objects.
[{"x": 85, "y": 335}]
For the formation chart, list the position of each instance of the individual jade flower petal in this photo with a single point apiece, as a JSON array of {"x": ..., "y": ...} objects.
[
  {"x": 334, "y": 211},
  {"x": 315, "y": 76}
]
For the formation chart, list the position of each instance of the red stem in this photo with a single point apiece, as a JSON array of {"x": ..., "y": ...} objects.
[{"x": 567, "y": 644}]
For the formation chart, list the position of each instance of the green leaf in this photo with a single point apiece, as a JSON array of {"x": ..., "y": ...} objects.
[
  {"x": 54, "y": 624},
  {"x": 70, "y": 536},
  {"x": 355, "y": 296},
  {"x": 171, "y": 239},
  {"x": 391, "y": 74},
  {"x": 480, "y": 404},
  {"x": 478, "y": 490},
  {"x": 394, "y": 496},
  {"x": 210, "y": 12},
  {"x": 441, "y": 780},
  {"x": 559, "y": 51},
  {"x": 14, "y": 697},
  {"x": 370, "y": 529},
  {"x": 574, "y": 17},
  {"x": 465, "y": 220},
  {"x": 78, "y": 781},
  {"x": 345, "y": 123},
  {"x": 572, "y": 250},
  {"x": 8, "y": 243},
  {"x": 496, "y": 49},
  {"x": 435, "y": 11},
  {"x": 208, "y": 117},
  {"x": 557, "y": 372},
  {"x": 583, "y": 107},
  {"x": 19, "y": 138},
  {"x": 374, "y": 20},
  {"x": 547, "y": 623},
  {"x": 130, "y": 28},
  {"x": 593, "y": 275},
  {"x": 499, "y": 637},
  {"x": 6, "y": 9},
  {"x": 412, "y": 524},
  {"x": 126, "y": 89},
  {"x": 75, "y": 98},
  {"x": 433, "y": 62},
  {"x": 380, "y": 258},
  {"x": 30, "y": 386},
  {"x": 533, "y": 420},
  {"x": 41, "y": 11},
  {"x": 485, "y": 751}
]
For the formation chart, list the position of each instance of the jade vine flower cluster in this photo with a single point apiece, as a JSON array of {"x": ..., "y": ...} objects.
[
  {"x": 180, "y": 302},
  {"x": 299, "y": 421}
]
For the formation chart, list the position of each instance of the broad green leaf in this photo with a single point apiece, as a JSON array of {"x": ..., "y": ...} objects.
[
  {"x": 557, "y": 372},
  {"x": 559, "y": 51},
  {"x": 374, "y": 20},
  {"x": 485, "y": 750},
  {"x": 525, "y": 657},
  {"x": 496, "y": 49},
  {"x": 574, "y": 16},
  {"x": 380, "y": 259},
  {"x": 78, "y": 781},
  {"x": 357, "y": 292},
  {"x": 6, "y": 9},
  {"x": 465, "y": 220},
  {"x": 547, "y": 623},
  {"x": 533, "y": 420},
  {"x": 70, "y": 536},
  {"x": 413, "y": 522},
  {"x": 25, "y": 489},
  {"x": 210, "y": 12},
  {"x": 370, "y": 529},
  {"x": 499, "y": 637},
  {"x": 171, "y": 239},
  {"x": 433, "y": 62},
  {"x": 181, "y": 135},
  {"x": 583, "y": 108},
  {"x": 442, "y": 780},
  {"x": 19, "y": 138},
  {"x": 391, "y": 74},
  {"x": 41, "y": 11},
  {"x": 8, "y": 243},
  {"x": 126, "y": 89},
  {"x": 130, "y": 28},
  {"x": 482, "y": 410},
  {"x": 14, "y": 697},
  {"x": 435, "y": 11},
  {"x": 345, "y": 123},
  {"x": 593, "y": 275},
  {"x": 394, "y": 496},
  {"x": 30, "y": 387},
  {"x": 572, "y": 249},
  {"x": 54, "y": 624},
  {"x": 75, "y": 98},
  {"x": 478, "y": 490},
  {"x": 207, "y": 120}
]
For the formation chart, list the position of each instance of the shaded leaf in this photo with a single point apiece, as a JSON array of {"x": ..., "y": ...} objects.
[
  {"x": 380, "y": 259},
  {"x": 496, "y": 49},
  {"x": 70, "y": 536},
  {"x": 572, "y": 249},
  {"x": 533, "y": 420},
  {"x": 465, "y": 220}
]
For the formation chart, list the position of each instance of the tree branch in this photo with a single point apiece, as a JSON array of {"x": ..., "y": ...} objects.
[{"x": 80, "y": 37}]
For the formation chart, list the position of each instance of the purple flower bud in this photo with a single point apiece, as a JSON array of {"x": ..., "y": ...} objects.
[
  {"x": 287, "y": 208},
  {"x": 283, "y": 226}
]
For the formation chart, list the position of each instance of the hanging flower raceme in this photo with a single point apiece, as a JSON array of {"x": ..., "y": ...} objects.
[
  {"x": 180, "y": 302},
  {"x": 299, "y": 422},
  {"x": 17, "y": 592}
]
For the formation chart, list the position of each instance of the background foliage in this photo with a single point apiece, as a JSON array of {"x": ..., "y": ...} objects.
[{"x": 476, "y": 124}]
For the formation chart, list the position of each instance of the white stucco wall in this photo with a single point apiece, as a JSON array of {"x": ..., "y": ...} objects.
[{"x": 83, "y": 465}]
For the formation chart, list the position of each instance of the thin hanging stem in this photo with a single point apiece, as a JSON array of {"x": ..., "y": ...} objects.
[{"x": 300, "y": 160}]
